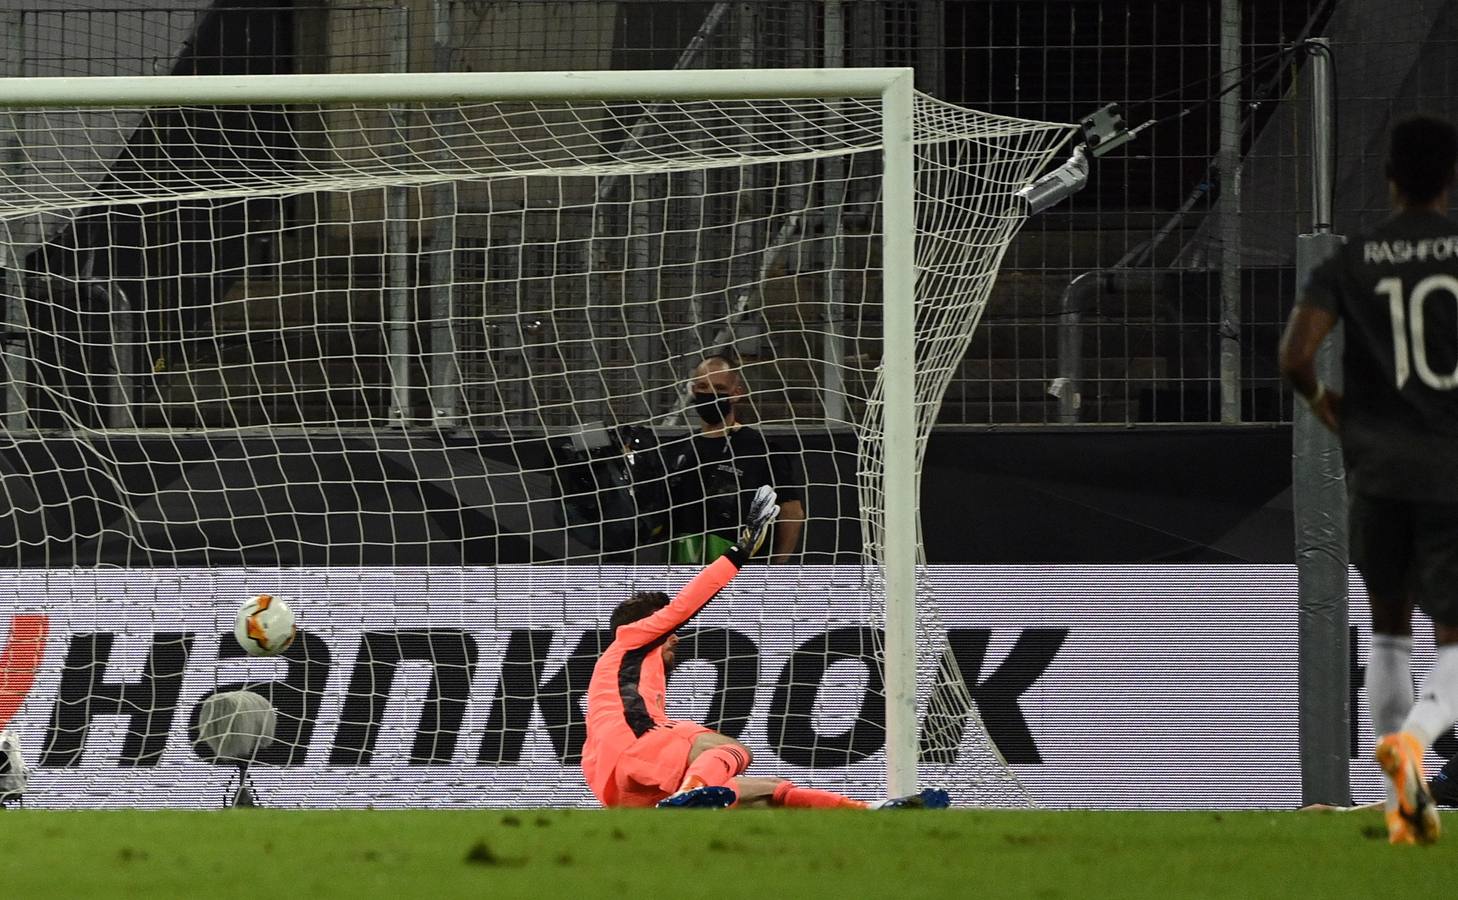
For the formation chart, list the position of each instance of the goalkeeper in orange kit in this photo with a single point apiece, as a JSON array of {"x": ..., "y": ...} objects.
[{"x": 635, "y": 755}]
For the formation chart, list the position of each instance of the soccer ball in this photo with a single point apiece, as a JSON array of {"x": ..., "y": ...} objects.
[{"x": 265, "y": 626}]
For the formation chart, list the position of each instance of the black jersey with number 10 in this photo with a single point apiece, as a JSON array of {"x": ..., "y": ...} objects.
[{"x": 1396, "y": 292}]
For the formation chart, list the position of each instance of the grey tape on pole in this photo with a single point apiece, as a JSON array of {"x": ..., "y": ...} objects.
[{"x": 1319, "y": 500}]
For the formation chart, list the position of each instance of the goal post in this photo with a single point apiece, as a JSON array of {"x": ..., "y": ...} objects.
[
  {"x": 733, "y": 171},
  {"x": 901, "y": 456}
]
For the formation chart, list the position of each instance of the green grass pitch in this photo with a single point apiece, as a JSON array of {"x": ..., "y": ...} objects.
[{"x": 712, "y": 853}]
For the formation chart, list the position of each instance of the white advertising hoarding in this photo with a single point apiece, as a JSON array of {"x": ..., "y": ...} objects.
[{"x": 1104, "y": 686}]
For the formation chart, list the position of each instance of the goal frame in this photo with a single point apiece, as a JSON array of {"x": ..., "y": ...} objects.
[{"x": 892, "y": 86}]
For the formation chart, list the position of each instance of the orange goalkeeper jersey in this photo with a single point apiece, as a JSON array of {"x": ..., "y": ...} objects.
[{"x": 625, "y": 697}]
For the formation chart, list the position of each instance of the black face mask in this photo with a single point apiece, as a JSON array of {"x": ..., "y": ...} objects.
[{"x": 712, "y": 408}]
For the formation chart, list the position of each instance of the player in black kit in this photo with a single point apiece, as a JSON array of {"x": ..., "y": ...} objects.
[
  {"x": 1395, "y": 290},
  {"x": 713, "y": 474}
]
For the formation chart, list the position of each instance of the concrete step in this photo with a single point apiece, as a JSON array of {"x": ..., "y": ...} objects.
[
  {"x": 1040, "y": 368},
  {"x": 1031, "y": 379},
  {"x": 998, "y": 412},
  {"x": 265, "y": 382},
  {"x": 1026, "y": 294},
  {"x": 954, "y": 410},
  {"x": 797, "y": 382},
  {"x": 262, "y": 304},
  {"x": 1110, "y": 412},
  {"x": 1165, "y": 295},
  {"x": 978, "y": 391},
  {"x": 1079, "y": 249},
  {"x": 1038, "y": 339},
  {"x": 1031, "y": 413},
  {"x": 337, "y": 407}
]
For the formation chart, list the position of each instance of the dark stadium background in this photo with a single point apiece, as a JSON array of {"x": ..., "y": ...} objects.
[{"x": 1100, "y": 494}]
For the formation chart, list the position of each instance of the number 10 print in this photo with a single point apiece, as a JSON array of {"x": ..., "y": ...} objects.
[{"x": 1407, "y": 320}]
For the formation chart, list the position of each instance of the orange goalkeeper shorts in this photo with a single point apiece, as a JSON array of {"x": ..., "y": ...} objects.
[{"x": 653, "y": 766}]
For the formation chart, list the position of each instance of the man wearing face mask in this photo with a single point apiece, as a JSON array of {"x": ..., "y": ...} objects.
[{"x": 716, "y": 472}]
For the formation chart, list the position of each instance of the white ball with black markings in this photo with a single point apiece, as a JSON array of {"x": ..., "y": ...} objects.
[{"x": 265, "y": 625}]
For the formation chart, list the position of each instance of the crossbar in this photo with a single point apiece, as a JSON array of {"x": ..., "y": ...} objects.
[{"x": 447, "y": 87}]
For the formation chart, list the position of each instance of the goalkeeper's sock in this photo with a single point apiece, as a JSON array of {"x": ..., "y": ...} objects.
[
  {"x": 1437, "y": 707},
  {"x": 1389, "y": 689},
  {"x": 715, "y": 767},
  {"x": 789, "y": 794}
]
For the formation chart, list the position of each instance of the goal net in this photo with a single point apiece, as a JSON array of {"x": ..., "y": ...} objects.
[{"x": 432, "y": 365}]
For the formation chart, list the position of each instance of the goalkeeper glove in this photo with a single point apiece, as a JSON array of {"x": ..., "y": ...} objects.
[{"x": 762, "y": 512}]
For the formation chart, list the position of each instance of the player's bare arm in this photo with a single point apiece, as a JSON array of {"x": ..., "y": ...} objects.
[
  {"x": 787, "y": 534},
  {"x": 1307, "y": 327}
]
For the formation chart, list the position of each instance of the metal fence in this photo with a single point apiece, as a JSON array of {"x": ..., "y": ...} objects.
[
  {"x": 1124, "y": 301},
  {"x": 1122, "y": 306},
  {"x": 201, "y": 37}
]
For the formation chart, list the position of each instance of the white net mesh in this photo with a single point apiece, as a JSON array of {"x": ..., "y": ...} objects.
[{"x": 428, "y": 370}]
